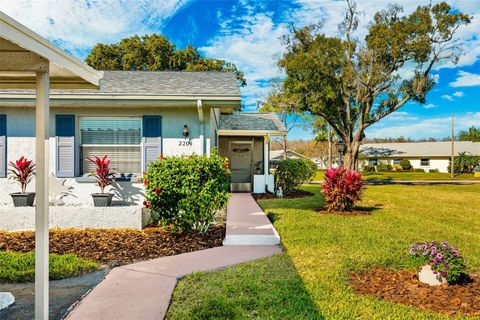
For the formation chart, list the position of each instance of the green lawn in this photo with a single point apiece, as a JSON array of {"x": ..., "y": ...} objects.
[
  {"x": 417, "y": 176},
  {"x": 20, "y": 267},
  {"x": 320, "y": 175},
  {"x": 309, "y": 281}
]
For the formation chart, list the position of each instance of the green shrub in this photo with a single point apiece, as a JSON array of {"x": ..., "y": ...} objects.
[
  {"x": 291, "y": 173},
  {"x": 406, "y": 165},
  {"x": 369, "y": 168},
  {"x": 384, "y": 167},
  {"x": 433, "y": 171},
  {"x": 397, "y": 167},
  {"x": 20, "y": 267},
  {"x": 418, "y": 170},
  {"x": 187, "y": 192}
]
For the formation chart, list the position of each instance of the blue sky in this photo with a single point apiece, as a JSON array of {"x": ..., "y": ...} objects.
[{"x": 247, "y": 33}]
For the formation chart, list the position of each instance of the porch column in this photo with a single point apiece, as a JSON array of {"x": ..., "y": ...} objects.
[
  {"x": 266, "y": 160},
  {"x": 41, "y": 188}
]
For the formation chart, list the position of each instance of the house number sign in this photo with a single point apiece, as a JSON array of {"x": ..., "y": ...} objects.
[{"x": 185, "y": 143}]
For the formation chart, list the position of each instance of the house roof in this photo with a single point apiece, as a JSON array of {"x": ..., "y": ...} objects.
[
  {"x": 418, "y": 149},
  {"x": 278, "y": 155},
  {"x": 251, "y": 122},
  {"x": 159, "y": 83}
]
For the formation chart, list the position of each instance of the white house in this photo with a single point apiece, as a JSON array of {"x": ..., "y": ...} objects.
[
  {"x": 422, "y": 155},
  {"x": 133, "y": 117}
]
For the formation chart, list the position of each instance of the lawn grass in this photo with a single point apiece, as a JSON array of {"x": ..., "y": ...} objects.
[
  {"x": 20, "y": 267},
  {"x": 324, "y": 249},
  {"x": 409, "y": 175},
  {"x": 417, "y": 176}
]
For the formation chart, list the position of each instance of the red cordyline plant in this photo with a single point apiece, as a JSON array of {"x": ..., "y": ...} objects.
[
  {"x": 342, "y": 188},
  {"x": 22, "y": 171},
  {"x": 102, "y": 172}
]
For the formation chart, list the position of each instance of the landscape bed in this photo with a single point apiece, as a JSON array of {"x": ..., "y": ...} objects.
[
  {"x": 323, "y": 251},
  {"x": 117, "y": 246}
]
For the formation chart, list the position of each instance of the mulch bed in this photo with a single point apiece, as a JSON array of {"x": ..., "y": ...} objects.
[
  {"x": 293, "y": 195},
  {"x": 404, "y": 287},
  {"x": 347, "y": 213},
  {"x": 116, "y": 247}
]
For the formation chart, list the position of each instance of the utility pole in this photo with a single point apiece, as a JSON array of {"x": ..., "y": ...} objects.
[{"x": 452, "y": 165}]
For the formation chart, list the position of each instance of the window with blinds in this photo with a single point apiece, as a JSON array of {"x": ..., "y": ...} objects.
[{"x": 118, "y": 137}]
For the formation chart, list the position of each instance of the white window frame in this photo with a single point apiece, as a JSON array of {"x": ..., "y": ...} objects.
[{"x": 80, "y": 145}]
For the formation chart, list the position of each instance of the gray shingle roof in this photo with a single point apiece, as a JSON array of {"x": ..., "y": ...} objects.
[
  {"x": 251, "y": 121},
  {"x": 161, "y": 83},
  {"x": 418, "y": 149}
]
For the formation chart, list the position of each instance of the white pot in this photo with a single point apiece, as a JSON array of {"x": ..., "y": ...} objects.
[{"x": 427, "y": 276}]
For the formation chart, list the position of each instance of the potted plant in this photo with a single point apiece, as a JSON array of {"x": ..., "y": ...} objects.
[
  {"x": 441, "y": 262},
  {"x": 22, "y": 171},
  {"x": 104, "y": 178}
]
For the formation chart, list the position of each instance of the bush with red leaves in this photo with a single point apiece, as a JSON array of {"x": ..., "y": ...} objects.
[{"x": 342, "y": 188}]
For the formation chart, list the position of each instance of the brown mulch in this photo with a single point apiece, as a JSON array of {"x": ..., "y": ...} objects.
[
  {"x": 347, "y": 213},
  {"x": 292, "y": 195},
  {"x": 404, "y": 287},
  {"x": 118, "y": 246}
]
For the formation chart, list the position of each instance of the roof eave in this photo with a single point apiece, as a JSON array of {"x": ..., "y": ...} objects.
[{"x": 31, "y": 41}]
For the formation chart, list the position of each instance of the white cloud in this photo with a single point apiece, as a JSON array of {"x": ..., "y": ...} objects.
[
  {"x": 446, "y": 96},
  {"x": 400, "y": 116},
  {"x": 430, "y": 106},
  {"x": 458, "y": 94},
  {"x": 78, "y": 25},
  {"x": 466, "y": 79},
  {"x": 438, "y": 127}
]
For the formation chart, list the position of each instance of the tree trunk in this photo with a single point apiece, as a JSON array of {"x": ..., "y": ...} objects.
[
  {"x": 350, "y": 157},
  {"x": 284, "y": 147},
  {"x": 330, "y": 144}
]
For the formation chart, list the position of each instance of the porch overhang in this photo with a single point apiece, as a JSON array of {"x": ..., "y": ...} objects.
[{"x": 30, "y": 61}]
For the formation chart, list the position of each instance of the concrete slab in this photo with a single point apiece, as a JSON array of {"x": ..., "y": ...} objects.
[{"x": 247, "y": 224}]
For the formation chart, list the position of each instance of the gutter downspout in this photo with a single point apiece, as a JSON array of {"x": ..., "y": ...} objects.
[
  {"x": 266, "y": 160},
  {"x": 201, "y": 121}
]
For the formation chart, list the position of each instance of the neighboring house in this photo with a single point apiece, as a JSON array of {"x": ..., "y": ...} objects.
[
  {"x": 279, "y": 155},
  {"x": 422, "y": 155},
  {"x": 134, "y": 117}
]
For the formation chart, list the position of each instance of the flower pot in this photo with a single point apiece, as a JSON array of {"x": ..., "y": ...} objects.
[
  {"x": 427, "y": 275},
  {"x": 102, "y": 199},
  {"x": 23, "y": 199}
]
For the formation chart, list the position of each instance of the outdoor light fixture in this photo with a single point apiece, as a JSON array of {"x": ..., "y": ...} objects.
[
  {"x": 340, "y": 148},
  {"x": 186, "y": 131}
]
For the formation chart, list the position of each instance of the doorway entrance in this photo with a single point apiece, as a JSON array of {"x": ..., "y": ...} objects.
[{"x": 241, "y": 165}]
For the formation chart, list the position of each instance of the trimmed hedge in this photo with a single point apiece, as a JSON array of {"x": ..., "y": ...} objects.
[
  {"x": 384, "y": 167},
  {"x": 405, "y": 164},
  {"x": 187, "y": 192},
  {"x": 291, "y": 173}
]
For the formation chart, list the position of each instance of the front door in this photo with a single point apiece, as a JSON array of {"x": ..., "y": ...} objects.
[{"x": 241, "y": 166}]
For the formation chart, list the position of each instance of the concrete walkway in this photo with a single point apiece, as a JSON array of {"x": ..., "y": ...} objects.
[{"x": 142, "y": 291}]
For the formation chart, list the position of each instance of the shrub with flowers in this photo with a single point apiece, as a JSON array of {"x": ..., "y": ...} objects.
[
  {"x": 342, "y": 188},
  {"x": 187, "y": 192},
  {"x": 22, "y": 171},
  {"x": 443, "y": 258},
  {"x": 102, "y": 171}
]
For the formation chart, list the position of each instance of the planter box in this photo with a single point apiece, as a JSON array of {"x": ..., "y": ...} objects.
[
  {"x": 427, "y": 276},
  {"x": 23, "y": 218}
]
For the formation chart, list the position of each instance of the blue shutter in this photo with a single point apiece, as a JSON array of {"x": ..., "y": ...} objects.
[
  {"x": 3, "y": 145},
  {"x": 152, "y": 138},
  {"x": 65, "y": 145}
]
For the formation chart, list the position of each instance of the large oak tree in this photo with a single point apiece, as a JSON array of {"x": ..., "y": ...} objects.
[
  {"x": 154, "y": 53},
  {"x": 353, "y": 83}
]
